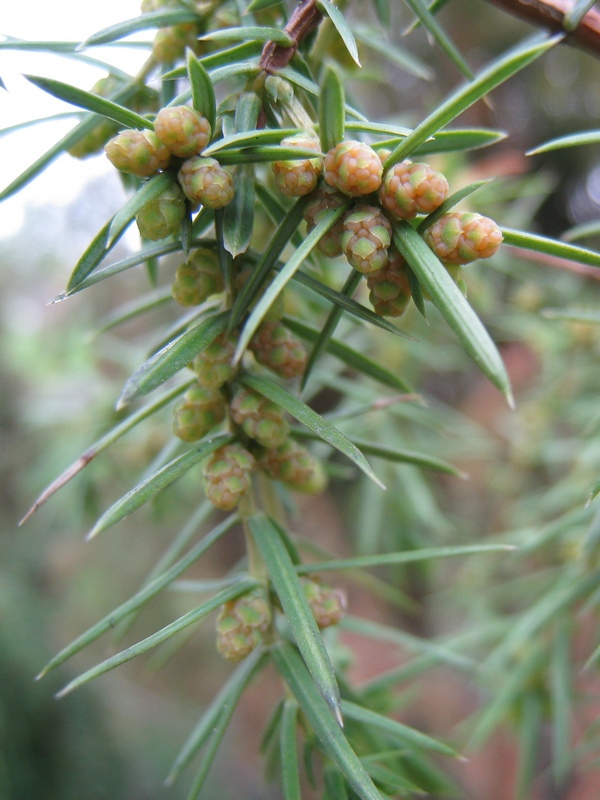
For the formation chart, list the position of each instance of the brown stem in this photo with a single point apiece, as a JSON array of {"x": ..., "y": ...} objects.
[
  {"x": 303, "y": 21},
  {"x": 551, "y": 14}
]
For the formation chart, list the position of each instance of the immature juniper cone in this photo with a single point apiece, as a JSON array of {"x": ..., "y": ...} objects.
[
  {"x": 183, "y": 130},
  {"x": 169, "y": 44},
  {"x": 227, "y": 475},
  {"x": 459, "y": 238},
  {"x": 327, "y": 604},
  {"x": 95, "y": 140},
  {"x": 366, "y": 239},
  {"x": 198, "y": 278},
  {"x": 278, "y": 349},
  {"x": 198, "y": 412},
  {"x": 259, "y": 418},
  {"x": 213, "y": 365},
  {"x": 295, "y": 178},
  {"x": 241, "y": 625},
  {"x": 294, "y": 465},
  {"x": 162, "y": 216},
  {"x": 138, "y": 153},
  {"x": 408, "y": 189},
  {"x": 389, "y": 290},
  {"x": 324, "y": 198},
  {"x": 205, "y": 182},
  {"x": 353, "y": 168}
]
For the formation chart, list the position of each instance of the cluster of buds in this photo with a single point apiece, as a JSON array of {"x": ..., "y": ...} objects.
[
  {"x": 243, "y": 623},
  {"x": 180, "y": 135},
  {"x": 355, "y": 170}
]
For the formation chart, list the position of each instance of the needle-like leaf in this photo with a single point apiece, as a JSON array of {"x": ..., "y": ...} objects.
[
  {"x": 333, "y": 741},
  {"x": 498, "y": 72},
  {"x": 296, "y": 608},
  {"x": 158, "y": 481},
  {"x": 142, "y": 597},
  {"x": 91, "y": 102},
  {"x": 313, "y": 421},
  {"x": 173, "y": 357},
  {"x": 160, "y": 636},
  {"x": 453, "y": 306}
]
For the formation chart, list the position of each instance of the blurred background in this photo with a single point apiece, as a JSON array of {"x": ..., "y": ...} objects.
[{"x": 118, "y": 737}]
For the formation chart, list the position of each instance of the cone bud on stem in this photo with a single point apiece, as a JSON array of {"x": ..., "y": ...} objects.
[
  {"x": 241, "y": 625},
  {"x": 227, "y": 475},
  {"x": 259, "y": 418}
]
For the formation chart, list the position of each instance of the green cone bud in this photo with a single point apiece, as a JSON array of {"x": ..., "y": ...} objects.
[
  {"x": 95, "y": 140},
  {"x": 163, "y": 215},
  {"x": 205, "y": 182},
  {"x": 169, "y": 44},
  {"x": 227, "y": 475},
  {"x": 183, "y": 130},
  {"x": 276, "y": 348},
  {"x": 323, "y": 198},
  {"x": 241, "y": 625},
  {"x": 198, "y": 278},
  {"x": 459, "y": 238},
  {"x": 294, "y": 465},
  {"x": 409, "y": 189},
  {"x": 296, "y": 178},
  {"x": 138, "y": 153},
  {"x": 353, "y": 168},
  {"x": 389, "y": 287},
  {"x": 213, "y": 365},
  {"x": 366, "y": 239},
  {"x": 198, "y": 412},
  {"x": 259, "y": 418},
  {"x": 327, "y": 604}
]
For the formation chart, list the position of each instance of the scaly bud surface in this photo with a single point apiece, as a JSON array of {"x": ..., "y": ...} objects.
[
  {"x": 227, "y": 475},
  {"x": 205, "y": 182},
  {"x": 459, "y": 238},
  {"x": 276, "y": 348},
  {"x": 198, "y": 278},
  {"x": 294, "y": 465},
  {"x": 366, "y": 239},
  {"x": 259, "y": 418},
  {"x": 326, "y": 603},
  {"x": 389, "y": 287},
  {"x": 183, "y": 130},
  {"x": 138, "y": 153},
  {"x": 213, "y": 365},
  {"x": 241, "y": 625},
  {"x": 162, "y": 216},
  {"x": 198, "y": 412},
  {"x": 170, "y": 43},
  {"x": 409, "y": 189},
  {"x": 324, "y": 198},
  {"x": 353, "y": 168},
  {"x": 297, "y": 178}
]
